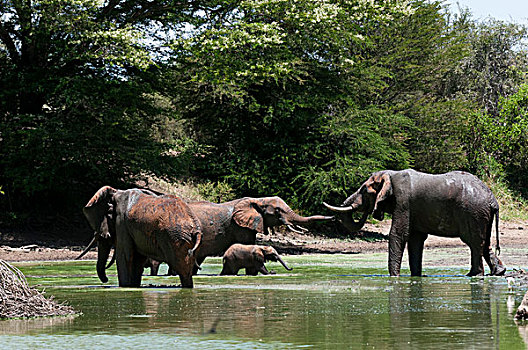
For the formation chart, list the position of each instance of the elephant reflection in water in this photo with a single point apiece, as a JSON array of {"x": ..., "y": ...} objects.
[
  {"x": 417, "y": 304},
  {"x": 522, "y": 314},
  {"x": 239, "y": 313}
]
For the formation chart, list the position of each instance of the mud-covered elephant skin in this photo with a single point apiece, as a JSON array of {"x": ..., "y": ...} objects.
[
  {"x": 250, "y": 257},
  {"x": 141, "y": 225},
  {"x": 240, "y": 220},
  {"x": 454, "y": 204}
]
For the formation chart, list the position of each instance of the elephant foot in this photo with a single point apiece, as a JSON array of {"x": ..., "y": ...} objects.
[
  {"x": 522, "y": 313},
  {"x": 500, "y": 271},
  {"x": 473, "y": 273}
]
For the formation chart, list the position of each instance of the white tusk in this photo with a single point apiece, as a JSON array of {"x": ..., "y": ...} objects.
[
  {"x": 293, "y": 229},
  {"x": 339, "y": 209},
  {"x": 300, "y": 228}
]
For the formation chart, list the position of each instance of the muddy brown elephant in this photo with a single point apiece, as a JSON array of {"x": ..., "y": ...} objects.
[
  {"x": 250, "y": 257},
  {"x": 455, "y": 204},
  {"x": 240, "y": 220},
  {"x": 141, "y": 224}
]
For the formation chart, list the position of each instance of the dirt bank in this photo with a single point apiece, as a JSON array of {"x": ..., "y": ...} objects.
[{"x": 373, "y": 238}]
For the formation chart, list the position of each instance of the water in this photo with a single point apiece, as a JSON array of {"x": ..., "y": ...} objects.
[{"x": 326, "y": 302}]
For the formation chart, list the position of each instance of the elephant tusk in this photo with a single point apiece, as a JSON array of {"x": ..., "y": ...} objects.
[
  {"x": 338, "y": 209},
  {"x": 198, "y": 266},
  {"x": 271, "y": 230},
  {"x": 293, "y": 229},
  {"x": 112, "y": 260},
  {"x": 90, "y": 245},
  {"x": 300, "y": 228}
]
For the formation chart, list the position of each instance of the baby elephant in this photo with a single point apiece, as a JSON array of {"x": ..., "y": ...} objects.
[{"x": 250, "y": 257}]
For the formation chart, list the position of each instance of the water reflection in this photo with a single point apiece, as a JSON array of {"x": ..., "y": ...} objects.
[
  {"x": 327, "y": 311},
  {"x": 25, "y": 326}
]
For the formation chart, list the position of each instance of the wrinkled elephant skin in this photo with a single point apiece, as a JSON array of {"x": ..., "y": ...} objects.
[
  {"x": 455, "y": 204},
  {"x": 240, "y": 220},
  {"x": 142, "y": 224}
]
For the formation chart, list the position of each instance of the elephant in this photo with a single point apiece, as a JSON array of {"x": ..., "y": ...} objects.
[
  {"x": 153, "y": 265},
  {"x": 141, "y": 224},
  {"x": 240, "y": 220},
  {"x": 454, "y": 204},
  {"x": 522, "y": 310},
  {"x": 250, "y": 257}
]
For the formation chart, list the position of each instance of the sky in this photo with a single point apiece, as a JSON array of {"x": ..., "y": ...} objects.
[{"x": 506, "y": 10}]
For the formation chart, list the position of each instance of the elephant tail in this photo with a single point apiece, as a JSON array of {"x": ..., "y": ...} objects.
[
  {"x": 197, "y": 233},
  {"x": 497, "y": 246}
]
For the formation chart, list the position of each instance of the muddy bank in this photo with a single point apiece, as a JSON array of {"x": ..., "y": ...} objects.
[{"x": 372, "y": 239}]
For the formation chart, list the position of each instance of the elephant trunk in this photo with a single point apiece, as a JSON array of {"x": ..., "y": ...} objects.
[
  {"x": 354, "y": 226},
  {"x": 103, "y": 251},
  {"x": 345, "y": 216},
  {"x": 296, "y": 219},
  {"x": 351, "y": 199},
  {"x": 279, "y": 259}
]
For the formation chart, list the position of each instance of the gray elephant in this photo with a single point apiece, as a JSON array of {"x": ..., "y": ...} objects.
[
  {"x": 141, "y": 224},
  {"x": 240, "y": 220},
  {"x": 455, "y": 204},
  {"x": 250, "y": 257}
]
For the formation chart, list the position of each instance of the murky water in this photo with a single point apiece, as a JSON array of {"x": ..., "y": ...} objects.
[{"x": 327, "y": 301}]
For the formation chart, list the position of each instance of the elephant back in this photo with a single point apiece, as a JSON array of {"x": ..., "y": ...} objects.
[{"x": 166, "y": 214}]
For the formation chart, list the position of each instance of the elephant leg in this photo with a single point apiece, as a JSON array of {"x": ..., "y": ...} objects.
[
  {"x": 182, "y": 265},
  {"x": 494, "y": 263},
  {"x": 415, "y": 248},
  {"x": 186, "y": 279},
  {"x": 263, "y": 270},
  {"x": 130, "y": 263},
  {"x": 154, "y": 268},
  {"x": 398, "y": 236},
  {"x": 251, "y": 271},
  {"x": 130, "y": 268},
  {"x": 477, "y": 268},
  {"x": 228, "y": 269}
]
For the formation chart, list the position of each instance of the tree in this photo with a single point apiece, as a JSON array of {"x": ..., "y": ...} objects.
[
  {"x": 262, "y": 84},
  {"x": 78, "y": 101}
]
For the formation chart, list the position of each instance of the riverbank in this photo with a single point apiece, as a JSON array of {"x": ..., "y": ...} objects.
[{"x": 372, "y": 239}]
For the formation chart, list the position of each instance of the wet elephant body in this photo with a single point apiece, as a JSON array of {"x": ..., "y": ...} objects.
[
  {"x": 240, "y": 220},
  {"x": 454, "y": 204},
  {"x": 142, "y": 224},
  {"x": 251, "y": 258}
]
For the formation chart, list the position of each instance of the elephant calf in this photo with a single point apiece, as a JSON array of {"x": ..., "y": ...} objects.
[{"x": 250, "y": 257}]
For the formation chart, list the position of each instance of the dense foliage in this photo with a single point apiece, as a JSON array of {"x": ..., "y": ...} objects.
[{"x": 296, "y": 98}]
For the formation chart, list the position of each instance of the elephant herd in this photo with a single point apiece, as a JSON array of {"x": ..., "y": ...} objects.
[{"x": 142, "y": 225}]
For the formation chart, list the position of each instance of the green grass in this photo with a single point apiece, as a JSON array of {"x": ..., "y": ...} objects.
[{"x": 513, "y": 207}]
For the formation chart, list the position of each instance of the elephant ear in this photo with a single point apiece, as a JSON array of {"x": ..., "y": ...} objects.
[
  {"x": 246, "y": 215},
  {"x": 381, "y": 183},
  {"x": 258, "y": 255},
  {"x": 97, "y": 208}
]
